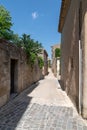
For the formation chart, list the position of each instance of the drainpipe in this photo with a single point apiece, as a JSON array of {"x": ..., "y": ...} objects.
[
  {"x": 80, "y": 77},
  {"x": 84, "y": 92}
]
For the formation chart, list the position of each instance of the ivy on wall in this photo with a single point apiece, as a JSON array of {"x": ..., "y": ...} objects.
[
  {"x": 40, "y": 62},
  {"x": 31, "y": 47}
]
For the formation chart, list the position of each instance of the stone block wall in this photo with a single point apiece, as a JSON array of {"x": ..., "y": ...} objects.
[
  {"x": 54, "y": 59},
  {"x": 83, "y": 6},
  {"x": 70, "y": 52},
  {"x": 44, "y": 56},
  {"x": 45, "y": 63},
  {"x": 24, "y": 74}
]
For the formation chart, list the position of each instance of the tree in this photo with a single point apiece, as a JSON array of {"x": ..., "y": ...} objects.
[
  {"x": 15, "y": 39},
  {"x": 32, "y": 48},
  {"x": 5, "y": 23},
  {"x": 57, "y": 52},
  {"x": 25, "y": 39}
]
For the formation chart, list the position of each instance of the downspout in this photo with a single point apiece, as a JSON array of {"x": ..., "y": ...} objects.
[
  {"x": 80, "y": 58},
  {"x": 80, "y": 78}
]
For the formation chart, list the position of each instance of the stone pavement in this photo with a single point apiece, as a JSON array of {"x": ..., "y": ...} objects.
[{"x": 43, "y": 106}]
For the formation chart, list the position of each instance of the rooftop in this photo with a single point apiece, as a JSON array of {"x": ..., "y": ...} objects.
[
  {"x": 55, "y": 46},
  {"x": 64, "y": 9}
]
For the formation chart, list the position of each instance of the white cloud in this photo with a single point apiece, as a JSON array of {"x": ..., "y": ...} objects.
[{"x": 34, "y": 15}]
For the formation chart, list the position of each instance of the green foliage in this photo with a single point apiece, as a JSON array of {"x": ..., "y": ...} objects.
[
  {"x": 31, "y": 48},
  {"x": 5, "y": 23},
  {"x": 15, "y": 39},
  {"x": 57, "y": 52},
  {"x": 32, "y": 58},
  {"x": 40, "y": 62}
]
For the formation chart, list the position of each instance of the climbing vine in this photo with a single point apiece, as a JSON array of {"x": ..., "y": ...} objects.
[{"x": 40, "y": 62}]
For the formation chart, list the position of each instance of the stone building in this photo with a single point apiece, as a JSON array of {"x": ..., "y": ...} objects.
[
  {"x": 55, "y": 61},
  {"x": 44, "y": 56},
  {"x": 49, "y": 62},
  {"x": 15, "y": 73},
  {"x": 73, "y": 29}
]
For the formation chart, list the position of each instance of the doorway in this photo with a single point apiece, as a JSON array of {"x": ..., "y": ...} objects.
[{"x": 13, "y": 76}]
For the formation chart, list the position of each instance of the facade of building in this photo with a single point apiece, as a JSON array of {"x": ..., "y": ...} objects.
[
  {"x": 45, "y": 62},
  {"x": 49, "y": 63},
  {"x": 44, "y": 56},
  {"x": 15, "y": 73},
  {"x": 73, "y": 29},
  {"x": 55, "y": 61}
]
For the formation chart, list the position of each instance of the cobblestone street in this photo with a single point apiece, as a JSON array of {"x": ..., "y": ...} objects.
[{"x": 43, "y": 106}]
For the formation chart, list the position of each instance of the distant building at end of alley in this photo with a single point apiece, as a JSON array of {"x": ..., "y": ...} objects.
[
  {"x": 44, "y": 56},
  {"x": 55, "y": 61}
]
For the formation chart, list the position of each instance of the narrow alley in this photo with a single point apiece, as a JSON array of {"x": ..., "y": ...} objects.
[{"x": 43, "y": 106}]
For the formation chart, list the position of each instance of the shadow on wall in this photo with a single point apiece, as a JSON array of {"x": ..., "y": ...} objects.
[{"x": 12, "y": 112}]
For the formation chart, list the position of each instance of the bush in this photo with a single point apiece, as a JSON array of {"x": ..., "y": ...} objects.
[{"x": 40, "y": 62}]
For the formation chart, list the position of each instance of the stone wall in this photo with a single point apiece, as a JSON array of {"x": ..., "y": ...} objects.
[
  {"x": 74, "y": 52},
  {"x": 44, "y": 56},
  {"x": 24, "y": 74},
  {"x": 70, "y": 52},
  {"x": 54, "y": 66},
  {"x": 83, "y": 7},
  {"x": 54, "y": 59},
  {"x": 45, "y": 63}
]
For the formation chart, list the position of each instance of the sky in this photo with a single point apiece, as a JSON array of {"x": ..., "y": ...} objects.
[{"x": 39, "y": 18}]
